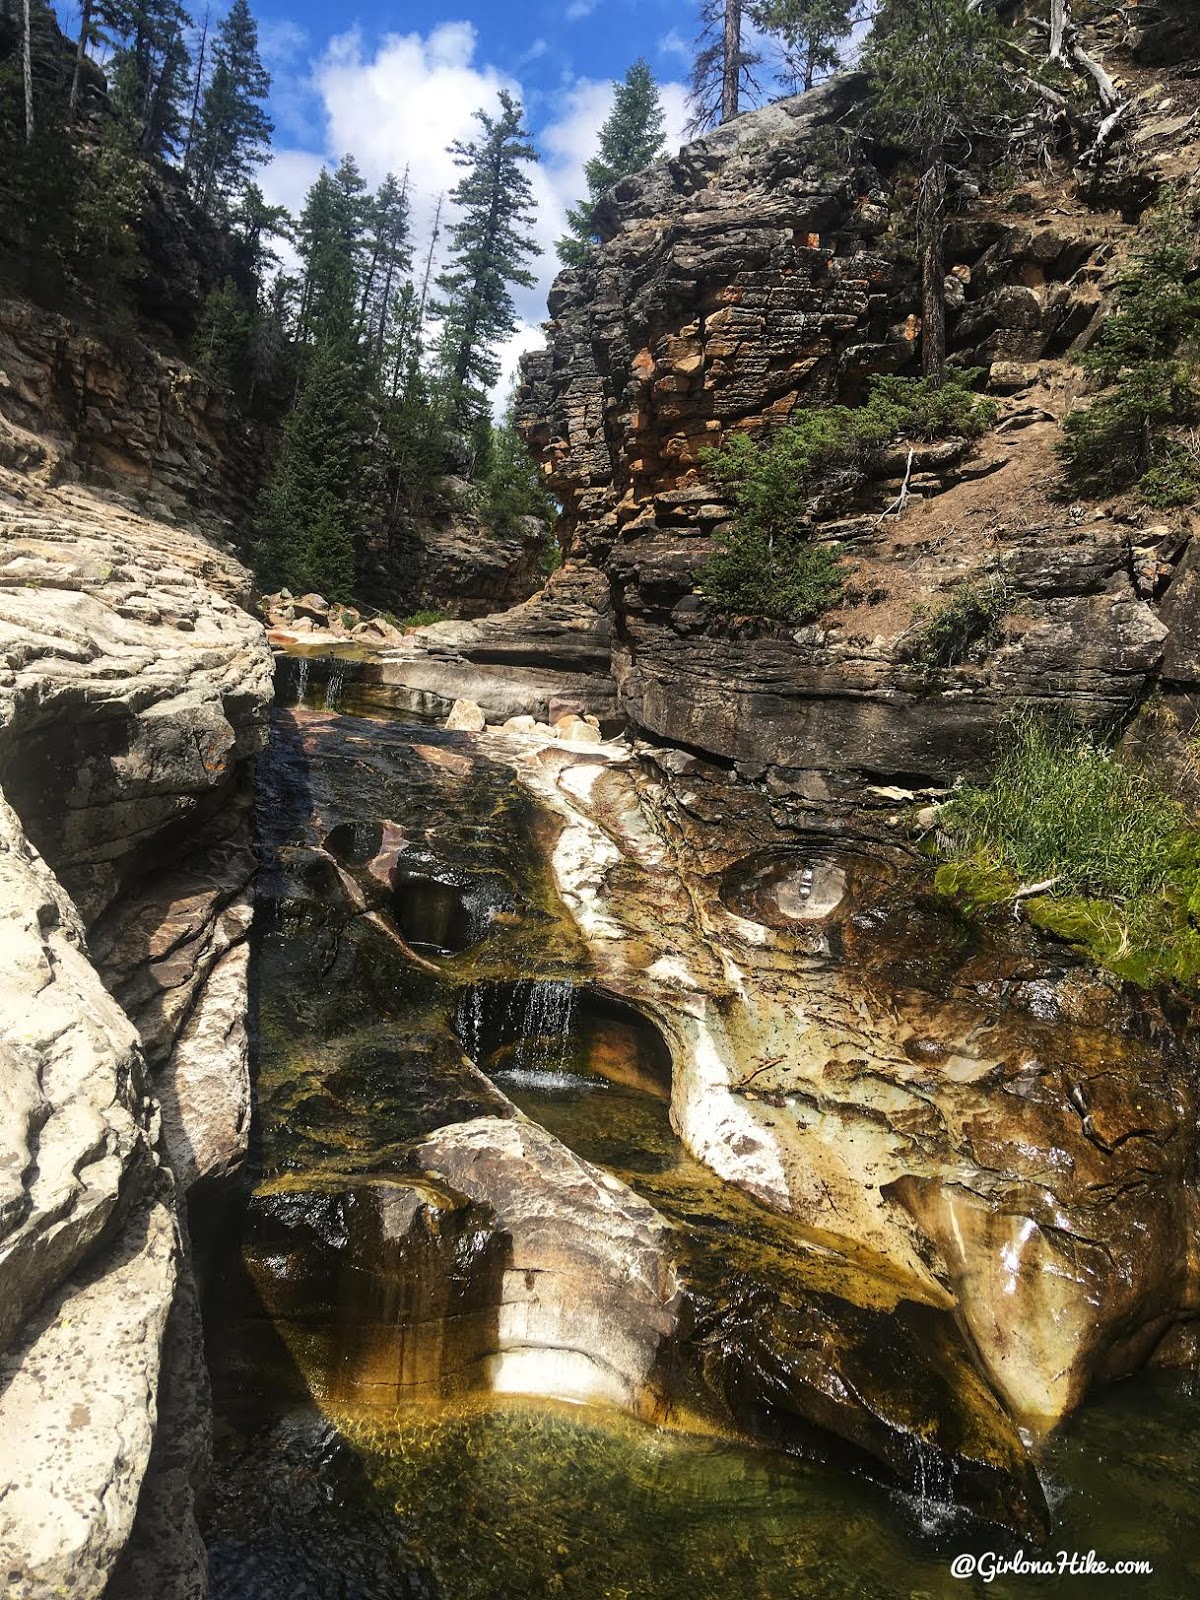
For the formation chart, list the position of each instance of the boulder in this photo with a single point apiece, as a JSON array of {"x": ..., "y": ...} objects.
[{"x": 466, "y": 717}]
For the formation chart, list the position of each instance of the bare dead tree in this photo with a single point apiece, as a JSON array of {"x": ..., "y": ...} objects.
[
  {"x": 197, "y": 87},
  {"x": 723, "y": 70},
  {"x": 85, "y": 29},
  {"x": 27, "y": 70}
]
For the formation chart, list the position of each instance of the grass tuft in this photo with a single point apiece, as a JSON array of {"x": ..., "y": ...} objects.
[{"x": 1120, "y": 855}]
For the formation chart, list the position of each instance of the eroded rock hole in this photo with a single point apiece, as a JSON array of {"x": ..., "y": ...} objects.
[
  {"x": 793, "y": 889},
  {"x": 553, "y": 1033},
  {"x": 355, "y": 843},
  {"x": 441, "y": 916}
]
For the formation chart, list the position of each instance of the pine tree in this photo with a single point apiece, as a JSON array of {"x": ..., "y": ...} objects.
[
  {"x": 942, "y": 85},
  {"x": 234, "y": 132},
  {"x": 490, "y": 244},
  {"x": 149, "y": 68},
  {"x": 306, "y": 517},
  {"x": 111, "y": 197},
  {"x": 390, "y": 260},
  {"x": 723, "y": 70},
  {"x": 329, "y": 238},
  {"x": 630, "y": 139},
  {"x": 810, "y": 33}
]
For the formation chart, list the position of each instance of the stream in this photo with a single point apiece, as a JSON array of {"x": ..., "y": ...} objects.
[{"x": 381, "y": 1430}]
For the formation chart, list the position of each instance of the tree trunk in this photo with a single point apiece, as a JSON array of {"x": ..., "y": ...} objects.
[
  {"x": 1058, "y": 28},
  {"x": 191, "y": 133},
  {"x": 731, "y": 70},
  {"x": 85, "y": 22},
  {"x": 27, "y": 70},
  {"x": 931, "y": 229}
]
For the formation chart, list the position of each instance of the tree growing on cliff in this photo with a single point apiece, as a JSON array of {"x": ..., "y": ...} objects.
[
  {"x": 942, "y": 86},
  {"x": 490, "y": 244},
  {"x": 811, "y": 35},
  {"x": 723, "y": 70},
  {"x": 631, "y": 137},
  {"x": 234, "y": 132},
  {"x": 389, "y": 261}
]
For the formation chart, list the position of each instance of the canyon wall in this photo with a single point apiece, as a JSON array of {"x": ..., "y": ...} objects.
[
  {"x": 133, "y": 693},
  {"x": 766, "y": 269}
]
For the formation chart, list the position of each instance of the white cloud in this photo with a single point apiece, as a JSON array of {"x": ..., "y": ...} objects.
[
  {"x": 578, "y": 9},
  {"x": 406, "y": 100},
  {"x": 674, "y": 44}
]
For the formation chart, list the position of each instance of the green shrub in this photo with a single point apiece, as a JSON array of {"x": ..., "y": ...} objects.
[
  {"x": 766, "y": 566},
  {"x": 1149, "y": 352},
  {"x": 962, "y": 626},
  {"x": 753, "y": 575},
  {"x": 421, "y": 619},
  {"x": 1174, "y": 480},
  {"x": 1120, "y": 857}
]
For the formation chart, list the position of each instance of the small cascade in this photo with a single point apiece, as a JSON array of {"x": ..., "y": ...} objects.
[
  {"x": 302, "y": 680},
  {"x": 336, "y": 686},
  {"x": 526, "y": 1033},
  {"x": 545, "y": 1030},
  {"x": 469, "y": 1022},
  {"x": 931, "y": 1485}
]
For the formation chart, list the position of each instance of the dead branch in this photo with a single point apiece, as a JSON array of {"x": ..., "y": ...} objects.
[{"x": 901, "y": 500}]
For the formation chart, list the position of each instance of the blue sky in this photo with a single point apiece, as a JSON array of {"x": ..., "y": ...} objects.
[{"x": 396, "y": 86}]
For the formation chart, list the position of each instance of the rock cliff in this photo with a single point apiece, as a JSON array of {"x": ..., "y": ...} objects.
[
  {"x": 764, "y": 270},
  {"x": 133, "y": 690}
]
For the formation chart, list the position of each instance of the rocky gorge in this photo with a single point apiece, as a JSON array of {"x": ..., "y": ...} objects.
[{"x": 525, "y": 1062}]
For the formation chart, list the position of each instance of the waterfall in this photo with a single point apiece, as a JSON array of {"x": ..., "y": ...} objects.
[
  {"x": 470, "y": 1022},
  {"x": 335, "y": 688},
  {"x": 301, "y": 680},
  {"x": 546, "y": 1027},
  {"x": 535, "y": 1024},
  {"x": 932, "y": 1486}
]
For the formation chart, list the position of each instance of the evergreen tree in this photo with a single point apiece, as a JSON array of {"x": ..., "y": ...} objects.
[
  {"x": 329, "y": 238},
  {"x": 390, "y": 260},
  {"x": 306, "y": 517},
  {"x": 810, "y": 34},
  {"x": 490, "y": 244},
  {"x": 110, "y": 200},
  {"x": 149, "y": 68},
  {"x": 512, "y": 486},
  {"x": 942, "y": 85},
  {"x": 234, "y": 132},
  {"x": 630, "y": 139}
]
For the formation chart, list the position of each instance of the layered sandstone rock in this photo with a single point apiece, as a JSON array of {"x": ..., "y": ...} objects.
[
  {"x": 761, "y": 272},
  {"x": 132, "y": 690}
]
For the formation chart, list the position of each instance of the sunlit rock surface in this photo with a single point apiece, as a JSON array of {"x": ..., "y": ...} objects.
[
  {"x": 397, "y": 1033},
  {"x": 1011, "y": 1134},
  {"x": 133, "y": 689}
]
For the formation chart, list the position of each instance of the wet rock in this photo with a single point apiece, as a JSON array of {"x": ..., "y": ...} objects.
[
  {"x": 588, "y": 1293},
  {"x": 1026, "y": 1166}
]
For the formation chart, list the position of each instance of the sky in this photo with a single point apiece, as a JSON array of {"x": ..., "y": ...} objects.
[{"x": 396, "y": 85}]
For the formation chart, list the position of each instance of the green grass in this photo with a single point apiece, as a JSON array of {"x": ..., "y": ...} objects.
[
  {"x": 422, "y": 619},
  {"x": 1120, "y": 855}
]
